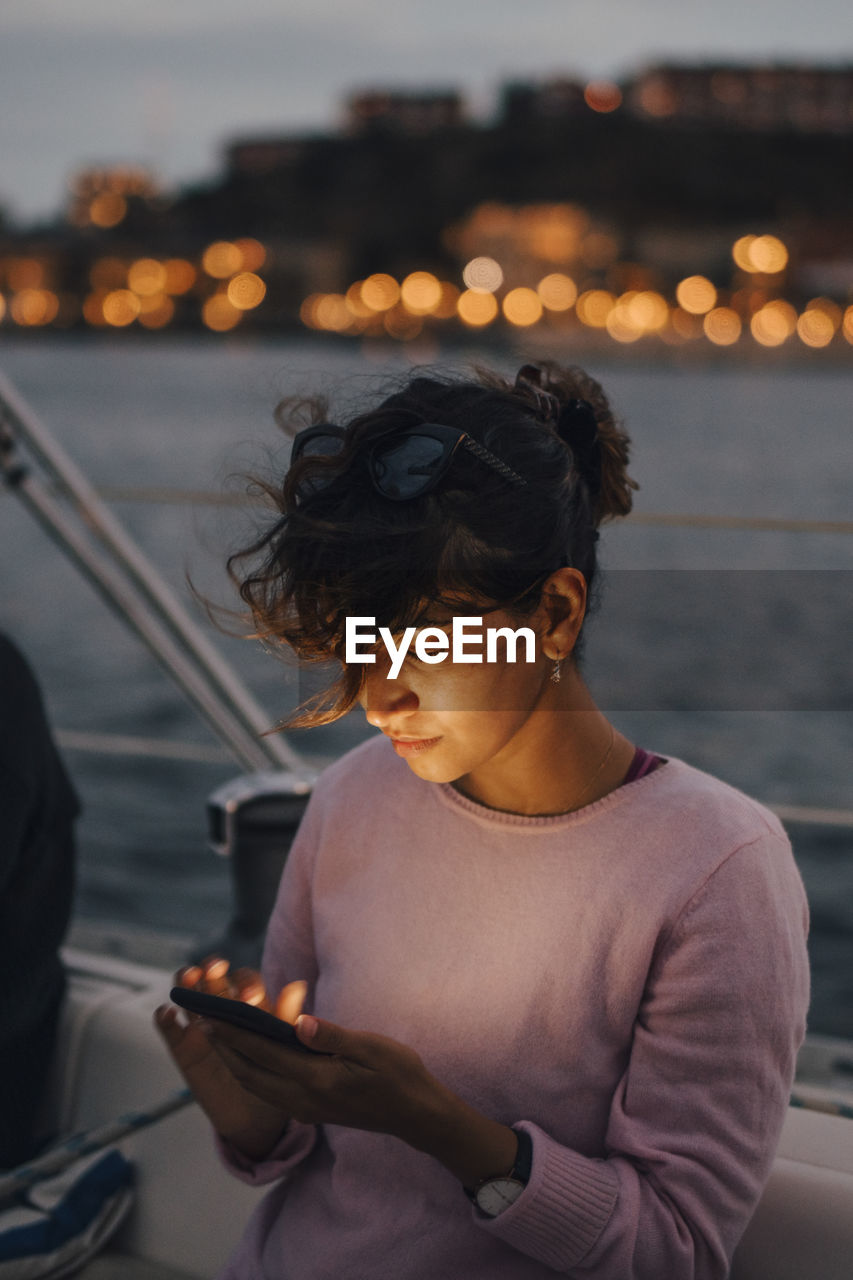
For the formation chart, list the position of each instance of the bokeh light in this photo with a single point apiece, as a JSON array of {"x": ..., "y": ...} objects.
[
  {"x": 221, "y": 260},
  {"x": 33, "y": 307},
  {"x": 815, "y": 328},
  {"x": 847, "y": 324},
  {"x": 765, "y": 254},
  {"x": 108, "y": 209},
  {"x": 557, "y": 292},
  {"x": 483, "y": 275},
  {"x": 476, "y": 308},
  {"x": 356, "y": 305},
  {"x": 2, "y": 306},
  {"x": 401, "y": 324},
  {"x": 768, "y": 254},
  {"x": 448, "y": 303},
  {"x": 246, "y": 291},
  {"x": 686, "y": 324},
  {"x": 146, "y": 277},
  {"x": 380, "y": 292},
  {"x": 156, "y": 312},
  {"x": 773, "y": 323},
  {"x": 421, "y": 293},
  {"x": 108, "y": 273},
  {"x": 219, "y": 314},
  {"x": 522, "y": 307},
  {"x": 93, "y": 309},
  {"x": 740, "y": 252},
  {"x": 332, "y": 313},
  {"x": 180, "y": 275},
  {"x": 722, "y": 326},
  {"x": 594, "y": 306},
  {"x": 253, "y": 255},
  {"x": 24, "y": 273},
  {"x": 120, "y": 308},
  {"x": 602, "y": 95},
  {"x": 696, "y": 294}
]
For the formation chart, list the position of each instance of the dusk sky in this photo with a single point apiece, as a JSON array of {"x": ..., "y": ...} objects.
[{"x": 166, "y": 82}]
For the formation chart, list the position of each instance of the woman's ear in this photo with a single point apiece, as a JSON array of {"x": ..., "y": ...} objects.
[{"x": 561, "y": 612}]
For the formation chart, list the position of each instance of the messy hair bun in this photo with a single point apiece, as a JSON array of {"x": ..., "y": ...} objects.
[{"x": 339, "y": 548}]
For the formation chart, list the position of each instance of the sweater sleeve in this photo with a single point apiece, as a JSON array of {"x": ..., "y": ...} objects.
[
  {"x": 696, "y": 1117},
  {"x": 288, "y": 955}
]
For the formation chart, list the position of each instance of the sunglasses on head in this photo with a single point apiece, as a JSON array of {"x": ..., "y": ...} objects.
[{"x": 403, "y": 464}]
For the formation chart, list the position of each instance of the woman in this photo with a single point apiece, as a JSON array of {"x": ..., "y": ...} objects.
[{"x": 560, "y": 981}]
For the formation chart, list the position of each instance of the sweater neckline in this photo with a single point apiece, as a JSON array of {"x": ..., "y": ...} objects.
[{"x": 454, "y": 799}]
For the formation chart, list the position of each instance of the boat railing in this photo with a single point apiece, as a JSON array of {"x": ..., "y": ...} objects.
[{"x": 40, "y": 473}]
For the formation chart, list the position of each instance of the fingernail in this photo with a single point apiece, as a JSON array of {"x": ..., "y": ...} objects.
[
  {"x": 307, "y": 1026},
  {"x": 206, "y": 1028}
]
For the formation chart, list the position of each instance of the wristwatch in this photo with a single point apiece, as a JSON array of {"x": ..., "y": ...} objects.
[{"x": 493, "y": 1195}]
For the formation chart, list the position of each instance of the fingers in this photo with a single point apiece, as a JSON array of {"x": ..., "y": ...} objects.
[
  {"x": 166, "y": 1022},
  {"x": 290, "y": 1000},
  {"x": 212, "y": 976}
]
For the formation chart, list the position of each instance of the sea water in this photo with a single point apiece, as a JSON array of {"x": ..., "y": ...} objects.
[{"x": 724, "y": 645}]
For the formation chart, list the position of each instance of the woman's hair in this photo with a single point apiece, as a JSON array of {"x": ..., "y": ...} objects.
[{"x": 476, "y": 542}]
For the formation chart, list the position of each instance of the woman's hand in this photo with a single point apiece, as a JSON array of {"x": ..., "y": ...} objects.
[
  {"x": 251, "y": 1124},
  {"x": 365, "y": 1081}
]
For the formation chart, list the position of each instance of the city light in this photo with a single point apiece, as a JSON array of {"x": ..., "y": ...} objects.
[
  {"x": 483, "y": 275},
  {"x": 722, "y": 326},
  {"x": 765, "y": 254},
  {"x": 221, "y": 260},
  {"x": 120, "y": 308},
  {"x": 32, "y": 308},
  {"x": 146, "y": 277},
  {"x": 421, "y": 293},
  {"x": 180, "y": 276},
  {"x": 156, "y": 312},
  {"x": 380, "y": 292},
  {"x": 477, "y": 308},
  {"x": 594, "y": 306},
  {"x": 557, "y": 292},
  {"x": 108, "y": 273},
  {"x": 246, "y": 291},
  {"x": 696, "y": 294},
  {"x": 815, "y": 328},
  {"x": 847, "y": 324},
  {"x": 522, "y": 307},
  {"x": 603, "y": 96},
  {"x": 219, "y": 314},
  {"x": 108, "y": 209},
  {"x": 774, "y": 323},
  {"x": 24, "y": 273}
]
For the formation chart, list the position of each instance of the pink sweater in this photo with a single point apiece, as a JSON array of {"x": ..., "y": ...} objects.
[{"x": 629, "y": 981}]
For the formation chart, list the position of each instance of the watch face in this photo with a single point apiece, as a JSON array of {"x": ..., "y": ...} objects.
[{"x": 498, "y": 1194}]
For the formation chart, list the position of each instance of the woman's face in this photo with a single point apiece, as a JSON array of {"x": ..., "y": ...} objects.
[{"x": 449, "y": 719}]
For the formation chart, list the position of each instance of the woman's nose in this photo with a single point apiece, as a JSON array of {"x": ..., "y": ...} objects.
[{"x": 386, "y": 700}]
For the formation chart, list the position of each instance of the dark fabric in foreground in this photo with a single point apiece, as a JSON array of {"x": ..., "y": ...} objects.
[{"x": 37, "y": 810}]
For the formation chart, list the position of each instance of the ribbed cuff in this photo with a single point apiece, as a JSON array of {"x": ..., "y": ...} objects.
[
  {"x": 292, "y": 1147},
  {"x": 564, "y": 1208}
]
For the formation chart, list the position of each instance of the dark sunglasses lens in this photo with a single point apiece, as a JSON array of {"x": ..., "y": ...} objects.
[
  {"x": 318, "y": 446},
  {"x": 408, "y": 467}
]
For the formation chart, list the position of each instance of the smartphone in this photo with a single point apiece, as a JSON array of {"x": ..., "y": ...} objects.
[{"x": 247, "y": 1016}]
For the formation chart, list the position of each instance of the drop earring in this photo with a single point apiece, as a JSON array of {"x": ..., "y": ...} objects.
[{"x": 555, "y": 674}]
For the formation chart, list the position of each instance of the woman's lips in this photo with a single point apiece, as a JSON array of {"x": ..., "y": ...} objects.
[{"x": 413, "y": 746}]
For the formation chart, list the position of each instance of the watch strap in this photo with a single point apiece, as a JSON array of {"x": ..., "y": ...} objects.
[{"x": 521, "y": 1168}]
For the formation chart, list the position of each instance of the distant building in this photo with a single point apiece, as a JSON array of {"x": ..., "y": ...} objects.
[
  {"x": 806, "y": 99},
  {"x": 252, "y": 156},
  {"x": 524, "y": 104},
  {"x": 395, "y": 111}
]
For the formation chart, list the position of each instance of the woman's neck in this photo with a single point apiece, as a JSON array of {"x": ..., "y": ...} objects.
[{"x": 567, "y": 757}]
